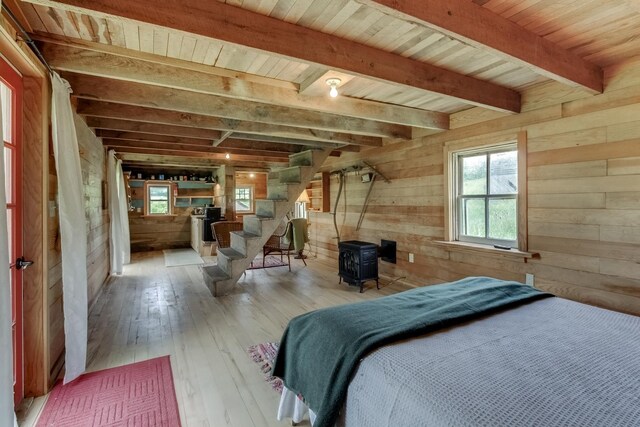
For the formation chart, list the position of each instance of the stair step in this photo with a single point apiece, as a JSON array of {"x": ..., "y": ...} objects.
[
  {"x": 213, "y": 273},
  {"x": 291, "y": 175},
  {"x": 230, "y": 253},
  {"x": 303, "y": 158},
  {"x": 245, "y": 235},
  {"x": 228, "y": 259},
  {"x": 243, "y": 241},
  {"x": 265, "y": 207},
  {"x": 278, "y": 191},
  {"x": 254, "y": 223}
]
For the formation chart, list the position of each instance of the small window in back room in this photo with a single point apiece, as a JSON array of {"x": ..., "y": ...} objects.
[
  {"x": 244, "y": 198},
  {"x": 158, "y": 199}
]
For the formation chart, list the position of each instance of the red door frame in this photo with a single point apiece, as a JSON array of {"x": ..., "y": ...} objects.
[{"x": 13, "y": 80}]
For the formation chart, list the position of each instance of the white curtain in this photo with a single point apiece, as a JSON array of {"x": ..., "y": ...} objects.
[
  {"x": 73, "y": 228},
  {"x": 7, "y": 416},
  {"x": 118, "y": 211}
]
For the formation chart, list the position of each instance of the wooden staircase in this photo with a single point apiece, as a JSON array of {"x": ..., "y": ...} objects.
[{"x": 283, "y": 188}]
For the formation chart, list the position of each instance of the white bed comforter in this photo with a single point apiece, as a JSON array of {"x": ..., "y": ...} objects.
[{"x": 552, "y": 362}]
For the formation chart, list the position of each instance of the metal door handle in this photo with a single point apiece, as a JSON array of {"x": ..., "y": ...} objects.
[{"x": 21, "y": 263}]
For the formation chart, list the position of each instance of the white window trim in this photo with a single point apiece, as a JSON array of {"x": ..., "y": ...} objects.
[
  {"x": 252, "y": 199},
  {"x": 449, "y": 151},
  {"x": 147, "y": 198},
  {"x": 457, "y": 175}
]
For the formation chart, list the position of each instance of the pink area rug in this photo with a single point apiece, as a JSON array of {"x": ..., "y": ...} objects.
[
  {"x": 264, "y": 354},
  {"x": 136, "y": 395},
  {"x": 269, "y": 262}
]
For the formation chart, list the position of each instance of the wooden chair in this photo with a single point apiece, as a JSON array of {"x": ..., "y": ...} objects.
[
  {"x": 276, "y": 244},
  {"x": 222, "y": 231}
]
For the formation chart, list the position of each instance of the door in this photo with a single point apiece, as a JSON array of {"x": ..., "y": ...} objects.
[{"x": 11, "y": 97}]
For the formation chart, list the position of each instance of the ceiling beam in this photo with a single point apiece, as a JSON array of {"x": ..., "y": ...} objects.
[
  {"x": 218, "y": 157},
  {"x": 154, "y": 115},
  {"x": 154, "y": 128},
  {"x": 139, "y": 136},
  {"x": 102, "y": 64},
  {"x": 482, "y": 28},
  {"x": 234, "y": 145},
  {"x": 188, "y": 162},
  {"x": 267, "y": 138},
  {"x": 167, "y": 60},
  {"x": 239, "y": 26},
  {"x": 159, "y": 146},
  {"x": 144, "y": 95},
  {"x": 224, "y": 136}
]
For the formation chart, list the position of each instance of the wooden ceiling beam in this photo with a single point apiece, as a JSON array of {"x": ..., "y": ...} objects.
[
  {"x": 188, "y": 161},
  {"x": 277, "y": 140},
  {"x": 153, "y": 115},
  {"x": 224, "y": 136},
  {"x": 243, "y": 27},
  {"x": 166, "y": 60},
  {"x": 121, "y": 67},
  {"x": 480, "y": 27},
  {"x": 144, "y": 95},
  {"x": 139, "y": 136},
  {"x": 219, "y": 157},
  {"x": 157, "y": 146},
  {"x": 153, "y": 128}
]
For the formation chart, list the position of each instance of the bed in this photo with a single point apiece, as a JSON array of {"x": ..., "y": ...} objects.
[{"x": 543, "y": 362}]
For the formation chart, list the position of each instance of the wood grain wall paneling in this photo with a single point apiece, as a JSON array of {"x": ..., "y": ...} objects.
[{"x": 583, "y": 196}]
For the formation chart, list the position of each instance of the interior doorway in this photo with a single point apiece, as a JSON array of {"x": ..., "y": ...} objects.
[{"x": 11, "y": 98}]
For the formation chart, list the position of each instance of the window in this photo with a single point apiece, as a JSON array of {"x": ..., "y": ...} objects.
[
  {"x": 244, "y": 198},
  {"x": 486, "y": 202},
  {"x": 158, "y": 199},
  {"x": 486, "y": 195}
]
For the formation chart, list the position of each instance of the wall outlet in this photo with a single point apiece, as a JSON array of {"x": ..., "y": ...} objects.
[
  {"x": 530, "y": 279},
  {"x": 410, "y": 257}
]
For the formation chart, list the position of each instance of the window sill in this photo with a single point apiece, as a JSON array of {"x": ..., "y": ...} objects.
[{"x": 486, "y": 250}]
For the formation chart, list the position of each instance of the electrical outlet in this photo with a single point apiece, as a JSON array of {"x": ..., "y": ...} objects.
[
  {"x": 530, "y": 279},
  {"x": 410, "y": 257}
]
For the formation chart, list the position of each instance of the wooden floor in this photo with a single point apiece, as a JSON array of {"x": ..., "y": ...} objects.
[{"x": 153, "y": 310}]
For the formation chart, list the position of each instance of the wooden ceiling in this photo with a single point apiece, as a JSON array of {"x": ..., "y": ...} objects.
[{"x": 186, "y": 82}]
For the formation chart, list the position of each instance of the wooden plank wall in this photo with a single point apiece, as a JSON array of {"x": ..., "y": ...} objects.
[
  {"x": 163, "y": 232},
  {"x": 92, "y": 159},
  {"x": 259, "y": 182},
  {"x": 583, "y": 194}
]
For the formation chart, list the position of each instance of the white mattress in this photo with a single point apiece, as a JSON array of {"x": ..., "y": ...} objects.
[{"x": 552, "y": 362}]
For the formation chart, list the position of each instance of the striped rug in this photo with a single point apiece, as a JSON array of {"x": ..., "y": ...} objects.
[{"x": 264, "y": 355}]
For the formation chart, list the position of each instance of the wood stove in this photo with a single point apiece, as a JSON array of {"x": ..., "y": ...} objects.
[{"x": 358, "y": 262}]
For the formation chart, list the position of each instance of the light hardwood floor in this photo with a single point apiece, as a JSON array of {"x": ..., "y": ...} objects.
[{"x": 153, "y": 310}]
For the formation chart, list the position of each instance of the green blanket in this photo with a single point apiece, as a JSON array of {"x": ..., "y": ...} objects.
[{"x": 320, "y": 350}]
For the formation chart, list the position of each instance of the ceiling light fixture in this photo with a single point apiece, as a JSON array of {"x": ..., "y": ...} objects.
[
  {"x": 252, "y": 175},
  {"x": 227, "y": 156},
  {"x": 333, "y": 82}
]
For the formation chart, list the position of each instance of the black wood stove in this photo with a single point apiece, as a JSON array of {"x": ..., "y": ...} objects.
[{"x": 358, "y": 262}]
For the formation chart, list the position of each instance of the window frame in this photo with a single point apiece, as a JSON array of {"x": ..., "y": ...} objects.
[
  {"x": 251, "y": 189},
  {"x": 459, "y": 156},
  {"x": 451, "y": 151},
  {"x": 147, "y": 198}
]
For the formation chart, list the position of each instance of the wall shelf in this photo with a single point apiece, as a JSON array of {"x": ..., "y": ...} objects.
[
  {"x": 139, "y": 183},
  {"x": 194, "y": 201},
  {"x": 318, "y": 191}
]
